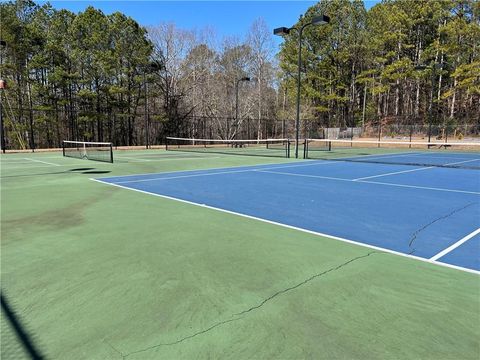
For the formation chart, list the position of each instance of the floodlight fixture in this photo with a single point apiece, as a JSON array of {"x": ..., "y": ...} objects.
[
  {"x": 281, "y": 31},
  {"x": 320, "y": 20}
]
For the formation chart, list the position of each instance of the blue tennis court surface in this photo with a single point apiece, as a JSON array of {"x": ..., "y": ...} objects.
[{"x": 431, "y": 213}]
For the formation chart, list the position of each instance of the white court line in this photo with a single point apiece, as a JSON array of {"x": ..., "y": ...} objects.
[
  {"x": 302, "y": 175},
  {"x": 412, "y": 170},
  {"x": 181, "y": 176},
  {"x": 306, "y": 162},
  {"x": 169, "y": 159},
  {"x": 268, "y": 170},
  {"x": 371, "y": 156},
  {"x": 43, "y": 162},
  {"x": 311, "y": 162},
  {"x": 209, "y": 173},
  {"x": 373, "y": 182},
  {"x": 462, "y": 162},
  {"x": 295, "y": 228},
  {"x": 446, "y": 157},
  {"x": 393, "y": 173},
  {"x": 132, "y": 158},
  {"x": 170, "y": 154},
  {"x": 421, "y": 187},
  {"x": 454, "y": 246},
  {"x": 10, "y": 168},
  {"x": 6, "y": 162}
]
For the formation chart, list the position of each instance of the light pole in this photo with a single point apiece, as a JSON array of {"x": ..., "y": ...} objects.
[
  {"x": 246, "y": 78},
  {"x": 317, "y": 20},
  {"x": 3, "y": 44}
]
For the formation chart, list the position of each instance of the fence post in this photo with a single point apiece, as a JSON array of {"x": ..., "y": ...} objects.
[{"x": 379, "y": 132}]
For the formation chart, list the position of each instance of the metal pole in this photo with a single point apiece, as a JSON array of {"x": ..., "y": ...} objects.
[
  {"x": 297, "y": 120},
  {"x": 32, "y": 139},
  {"x": 2, "y": 129},
  {"x": 430, "y": 110},
  {"x": 146, "y": 110},
  {"x": 236, "y": 104}
]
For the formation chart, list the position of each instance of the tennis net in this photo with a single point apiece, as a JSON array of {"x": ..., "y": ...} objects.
[
  {"x": 98, "y": 151},
  {"x": 264, "y": 147},
  {"x": 461, "y": 155}
]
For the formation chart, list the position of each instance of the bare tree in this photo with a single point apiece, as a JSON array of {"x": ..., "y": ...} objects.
[{"x": 260, "y": 41}]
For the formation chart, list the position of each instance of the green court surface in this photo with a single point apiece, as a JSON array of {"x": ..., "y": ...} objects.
[{"x": 99, "y": 272}]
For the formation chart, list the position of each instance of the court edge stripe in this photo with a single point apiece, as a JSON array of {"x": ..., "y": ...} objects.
[
  {"x": 454, "y": 246},
  {"x": 434, "y": 262}
]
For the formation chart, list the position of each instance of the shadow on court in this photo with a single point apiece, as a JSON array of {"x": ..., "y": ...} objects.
[
  {"x": 90, "y": 171},
  {"x": 17, "y": 341},
  {"x": 97, "y": 172},
  {"x": 82, "y": 169},
  {"x": 75, "y": 171}
]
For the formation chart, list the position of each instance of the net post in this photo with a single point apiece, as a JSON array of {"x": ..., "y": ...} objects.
[
  {"x": 111, "y": 153},
  {"x": 166, "y": 144},
  {"x": 379, "y": 131},
  {"x": 410, "y": 137},
  {"x": 305, "y": 148},
  {"x": 63, "y": 147}
]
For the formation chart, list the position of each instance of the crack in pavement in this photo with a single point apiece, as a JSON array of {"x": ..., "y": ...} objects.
[
  {"x": 240, "y": 315},
  {"x": 415, "y": 234},
  {"x": 303, "y": 283},
  {"x": 114, "y": 349}
]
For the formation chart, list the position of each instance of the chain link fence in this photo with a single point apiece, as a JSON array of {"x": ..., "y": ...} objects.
[{"x": 48, "y": 128}]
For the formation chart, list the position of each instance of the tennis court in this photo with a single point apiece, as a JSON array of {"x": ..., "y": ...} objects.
[
  {"x": 419, "y": 211},
  {"x": 306, "y": 258}
]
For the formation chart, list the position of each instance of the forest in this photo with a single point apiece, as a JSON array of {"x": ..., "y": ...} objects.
[{"x": 92, "y": 76}]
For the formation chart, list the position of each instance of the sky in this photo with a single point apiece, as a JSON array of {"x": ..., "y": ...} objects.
[{"x": 227, "y": 18}]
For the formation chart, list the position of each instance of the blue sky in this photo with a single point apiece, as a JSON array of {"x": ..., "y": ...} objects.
[{"x": 227, "y": 18}]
